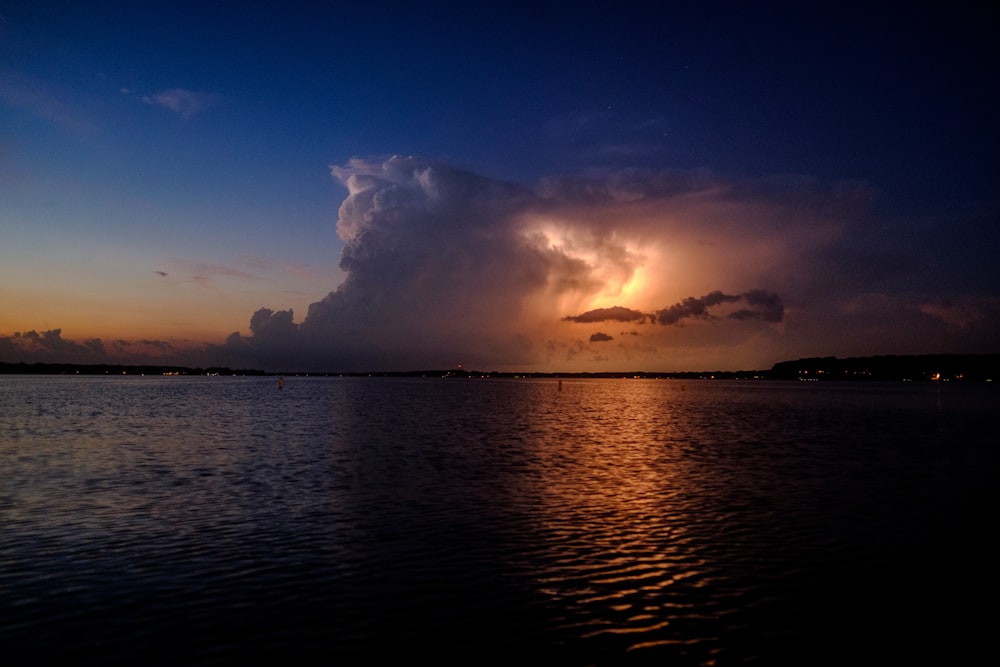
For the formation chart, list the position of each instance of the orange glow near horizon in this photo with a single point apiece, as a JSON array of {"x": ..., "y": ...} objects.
[{"x": 188, "y": 303}]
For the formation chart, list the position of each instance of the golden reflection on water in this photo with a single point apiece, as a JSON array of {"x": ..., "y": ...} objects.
[
  {"x": 722, "y": 521},
  {"x": 615, "y": 507}
]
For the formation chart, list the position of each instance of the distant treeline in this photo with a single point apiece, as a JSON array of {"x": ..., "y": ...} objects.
[
  {"x": 115, "y": 369},
  {"x": 917, "y": 368},
  {"x": 920, "y": 367},
  {"x": 928, "y": 367}
]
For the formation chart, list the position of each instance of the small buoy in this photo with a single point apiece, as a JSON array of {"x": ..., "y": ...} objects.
[
  {"x": 560, "y": 385},
  {"x": 281, "y": 382}
]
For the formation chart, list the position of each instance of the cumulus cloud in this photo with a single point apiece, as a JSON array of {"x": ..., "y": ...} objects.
[
  {"x": 50, "y": 346},
  {"x": 444, "y": 266},
  {"x": 186, "y": 103}
]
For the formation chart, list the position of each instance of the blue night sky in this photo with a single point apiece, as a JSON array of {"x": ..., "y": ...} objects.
[{"x": 539, "y": 186}]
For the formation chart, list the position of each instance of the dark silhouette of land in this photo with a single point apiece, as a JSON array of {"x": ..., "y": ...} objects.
[
  {"x": 887, "y": 368},
  {"x": 116, "y": 369}
]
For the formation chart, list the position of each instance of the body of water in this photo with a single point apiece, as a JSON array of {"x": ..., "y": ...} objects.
[{"x": 215, "y": 520}]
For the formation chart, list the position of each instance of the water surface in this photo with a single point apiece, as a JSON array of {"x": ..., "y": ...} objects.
[{"x": 210, "y": 520}]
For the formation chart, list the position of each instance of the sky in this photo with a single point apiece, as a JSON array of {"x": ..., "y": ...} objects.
[{"x": 544, "y": 186}]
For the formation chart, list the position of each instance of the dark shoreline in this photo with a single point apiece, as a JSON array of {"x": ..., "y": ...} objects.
[
  {"x": 914, "y": 368},
  {"x": 117, "y": 369}
]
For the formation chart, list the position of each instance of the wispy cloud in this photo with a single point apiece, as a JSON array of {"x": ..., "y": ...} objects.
[
  {"x": 186, "y": 103},
  {"x": 298, "y": 270},
  {"x": 43, "y": 102},
  {"x": 204, "y": 274}
]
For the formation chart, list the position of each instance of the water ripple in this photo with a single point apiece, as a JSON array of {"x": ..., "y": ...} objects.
[{"x": 205, "y": 520}]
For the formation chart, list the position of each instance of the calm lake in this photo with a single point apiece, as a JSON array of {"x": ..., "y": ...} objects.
[{"x": 220, "y": 520}]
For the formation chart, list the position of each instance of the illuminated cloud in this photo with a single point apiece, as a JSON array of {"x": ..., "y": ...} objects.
[{"x": 444, "y": 266}]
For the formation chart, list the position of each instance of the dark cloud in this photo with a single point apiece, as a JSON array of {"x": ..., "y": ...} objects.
[
  {"x": 696, "y": 307},
  {"x": 613, "y": 314},
  {"x": 50, "y": 346},
  {"x": 600, "y": 337},
  {"x": 761, "y": 305},
  {"x": 764, "y": 306},
  {"x": 164, "y": 346}
]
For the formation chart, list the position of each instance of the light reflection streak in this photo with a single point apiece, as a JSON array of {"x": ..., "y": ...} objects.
[{"x": 617, "y": 516}]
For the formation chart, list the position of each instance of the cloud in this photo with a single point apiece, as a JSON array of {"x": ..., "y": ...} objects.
[
  {"x": 160, "y": 345},
  {"x": 692, "y": 307},
  {"x": 41, "y": 101},
  {"x": 206, "y": 274},
  {"x": 186, "y": 103},
  {"x": 50, "y": 346},
  {"x": 444, "y": 267},
  {"x": 765, "y": 306},
  {"x": 607, "y": 135},
  {"x": 761, "y": 305},
  {"x": 613, "y": 314},
  {"x": 437, "y": 271}
]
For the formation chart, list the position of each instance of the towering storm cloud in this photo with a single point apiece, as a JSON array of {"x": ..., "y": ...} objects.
[
  {"x": 447, "y": 267},
  {"x": 660, "y": 270}
]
